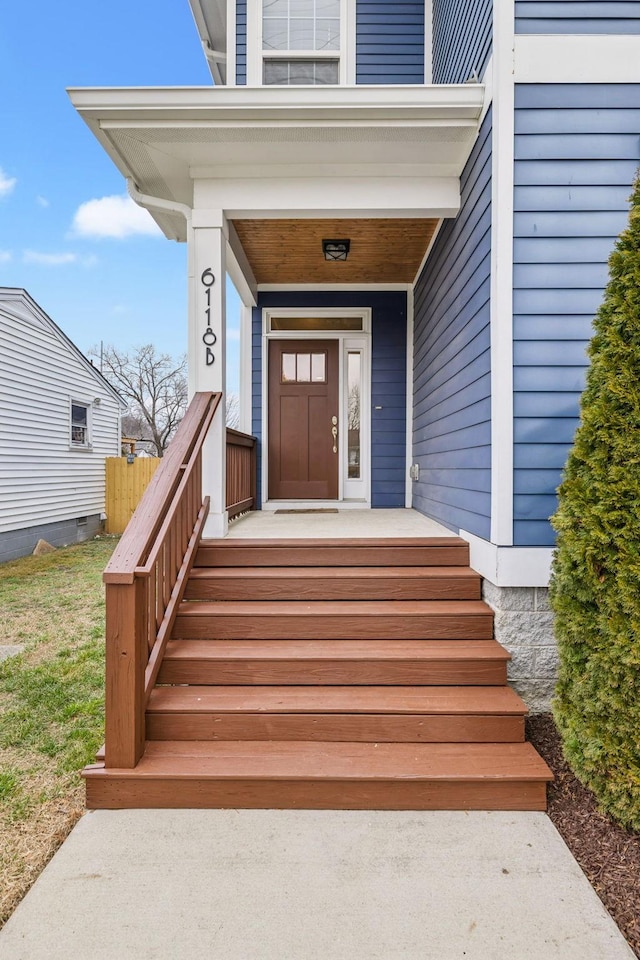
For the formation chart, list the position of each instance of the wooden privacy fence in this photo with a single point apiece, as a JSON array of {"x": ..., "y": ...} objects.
[
  {"x": 125, "y": 484},
  {"x": 241, "y": 472}
]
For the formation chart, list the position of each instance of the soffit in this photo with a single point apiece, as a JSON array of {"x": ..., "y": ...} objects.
[
  {"x": 290, "y": 251},
  {"x": 164, "y": 138}
]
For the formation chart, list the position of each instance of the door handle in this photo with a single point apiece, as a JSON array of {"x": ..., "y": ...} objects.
[{"x": 334, "y": 433}]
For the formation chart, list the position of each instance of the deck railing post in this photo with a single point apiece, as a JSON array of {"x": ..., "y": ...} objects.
[{"x": 126, "y": 659}]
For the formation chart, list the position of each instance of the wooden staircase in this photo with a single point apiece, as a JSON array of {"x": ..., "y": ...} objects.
[{"x": 331, "y": 674}]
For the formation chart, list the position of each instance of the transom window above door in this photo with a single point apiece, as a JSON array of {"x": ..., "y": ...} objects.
[{"x": 302, "y": 42}]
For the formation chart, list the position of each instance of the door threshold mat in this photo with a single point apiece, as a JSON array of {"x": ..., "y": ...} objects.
[{"x": 319, "y": 510}]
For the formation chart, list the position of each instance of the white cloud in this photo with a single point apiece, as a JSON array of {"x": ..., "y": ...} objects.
[
  {"x": 49, "y": 259},
  {"x": 116, "y": 217},
  {"x": 57, "y": 259},
  {"x": 5, "y": 256},
  {"x": 42, "y": 201},
  {"x": 6, "y": 183}
]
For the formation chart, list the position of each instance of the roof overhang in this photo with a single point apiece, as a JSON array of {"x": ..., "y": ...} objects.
[
  {"x": 211, "y": 22},
  {"x": 302, "y": 152}
]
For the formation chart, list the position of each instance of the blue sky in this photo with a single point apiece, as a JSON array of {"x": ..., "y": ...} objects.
[{"x": 124, "y": 290}]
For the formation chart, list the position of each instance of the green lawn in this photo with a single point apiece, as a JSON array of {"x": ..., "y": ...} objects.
[{"x": 51, "y": 703}]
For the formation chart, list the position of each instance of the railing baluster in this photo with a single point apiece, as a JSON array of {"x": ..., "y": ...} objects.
[{"x": 241, "y": 470}]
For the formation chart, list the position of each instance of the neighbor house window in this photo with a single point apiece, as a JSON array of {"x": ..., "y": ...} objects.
[
  {"x": 80, "y": 424},
  {"x": 301, "y": 42}
]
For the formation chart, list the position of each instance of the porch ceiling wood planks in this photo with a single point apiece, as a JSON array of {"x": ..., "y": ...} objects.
[{"x": 290, "y": 251}]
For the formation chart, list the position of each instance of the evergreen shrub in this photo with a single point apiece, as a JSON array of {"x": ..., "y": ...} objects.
[{"x": 595, "y": 586}]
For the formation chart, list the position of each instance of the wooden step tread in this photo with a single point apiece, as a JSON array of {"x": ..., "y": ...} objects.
[
  {"x": 341, "y": 573},
  {"x": 334, "y": 608},
  {"x": 317, "y": 761},
  {"x": 476, "y": 701},
  {"x": 330, "y": 650},
  {"x": 370, "y": 552}
]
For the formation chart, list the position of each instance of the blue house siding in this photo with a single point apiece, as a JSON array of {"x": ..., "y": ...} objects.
[
  {"x": 241, "y": 42},
  {"x": 578, "y": 16},
  {"x": 388, "y": 380},
  {"x": 576, "y": 153},
  {"x": 452, "y": 367},
  {"x": 389, "y": 41},
  {"x": 462, "y": 36}
]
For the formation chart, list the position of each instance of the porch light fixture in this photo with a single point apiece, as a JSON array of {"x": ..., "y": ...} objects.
[{"x": 336, "y": 249}]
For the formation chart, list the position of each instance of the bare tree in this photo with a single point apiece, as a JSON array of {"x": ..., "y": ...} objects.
[
  {"x": 155, "y": 387},
  {"x": 232, "y": 410}
]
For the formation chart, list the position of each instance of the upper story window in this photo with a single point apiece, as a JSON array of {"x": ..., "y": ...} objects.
[{"x": 302, "y": 42}]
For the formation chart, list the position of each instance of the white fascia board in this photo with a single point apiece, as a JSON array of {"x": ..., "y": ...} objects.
[
  {"x": 211, "y": 23},
  {"x": 509, "y": 566},
  {"x": 394, "y": 103},
  {"x": 588, "y": 58},
  {"x": 308, "y": 197}
]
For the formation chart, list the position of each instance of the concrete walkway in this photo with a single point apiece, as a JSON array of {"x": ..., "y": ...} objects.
[{"x": 306, "y": 885}]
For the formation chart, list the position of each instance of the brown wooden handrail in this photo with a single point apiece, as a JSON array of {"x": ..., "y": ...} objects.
[
  {"x": 241, "y": 472},
  {"x": 146, "y": 578}
]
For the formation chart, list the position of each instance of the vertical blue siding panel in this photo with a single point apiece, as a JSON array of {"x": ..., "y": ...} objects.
[
  {"x": 389, "y": 41},
  {"x": 462, "y": 38},
  {"x": 452, "y": 375},
  {"x": 577, "y": 150},
  {"x": 578, "y": 16},
  {"x": 241, "y": 42},
  {"x": 388, "y": 380}
]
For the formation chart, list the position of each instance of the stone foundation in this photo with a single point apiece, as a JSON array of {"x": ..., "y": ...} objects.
[{"x": 524, "y": 626}]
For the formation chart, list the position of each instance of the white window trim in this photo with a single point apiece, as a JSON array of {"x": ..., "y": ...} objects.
[
  {"x": 348, "y": 496},
  {"x": 346, "y": 55},
  {"x": 74, "y": 445}
]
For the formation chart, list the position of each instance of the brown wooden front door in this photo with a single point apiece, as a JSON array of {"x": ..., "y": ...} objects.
[{"x": 303, "y": 399}]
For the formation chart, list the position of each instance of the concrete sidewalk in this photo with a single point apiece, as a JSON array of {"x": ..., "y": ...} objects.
[{"x": 281, "y": 885}]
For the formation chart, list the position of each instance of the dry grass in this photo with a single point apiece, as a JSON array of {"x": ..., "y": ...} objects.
[{"x": 51, "y": 704}]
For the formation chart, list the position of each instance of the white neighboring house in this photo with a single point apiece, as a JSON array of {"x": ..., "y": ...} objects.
[{"x": 59, "y": 419}]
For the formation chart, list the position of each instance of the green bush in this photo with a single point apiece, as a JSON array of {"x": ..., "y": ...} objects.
[{"x": 595, "y": 587}]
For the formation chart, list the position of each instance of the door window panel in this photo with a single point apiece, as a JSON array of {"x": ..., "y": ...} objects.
[
  {"x": 303, "y": 368},
  {"x": 288, "y": 368},
  {"x": 318, "y": 368}
]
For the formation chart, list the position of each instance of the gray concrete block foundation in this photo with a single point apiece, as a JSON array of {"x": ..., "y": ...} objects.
[
  {"x": 62, "y": 533},
  {"x": 524, "y": 626}
]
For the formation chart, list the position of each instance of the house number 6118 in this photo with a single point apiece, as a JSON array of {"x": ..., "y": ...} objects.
[{"x": 208, "y": 337}]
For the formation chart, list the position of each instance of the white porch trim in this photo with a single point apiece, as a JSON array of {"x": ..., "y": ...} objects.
[
  {"x": 509, "y": 566},
  {"x": 207, "y": 352},
  {"x": 348, "y": 339},
  {"x": 501, "y": 309}
]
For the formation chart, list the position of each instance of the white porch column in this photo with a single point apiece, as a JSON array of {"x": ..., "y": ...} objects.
[{"x": 207, "y": 349}]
